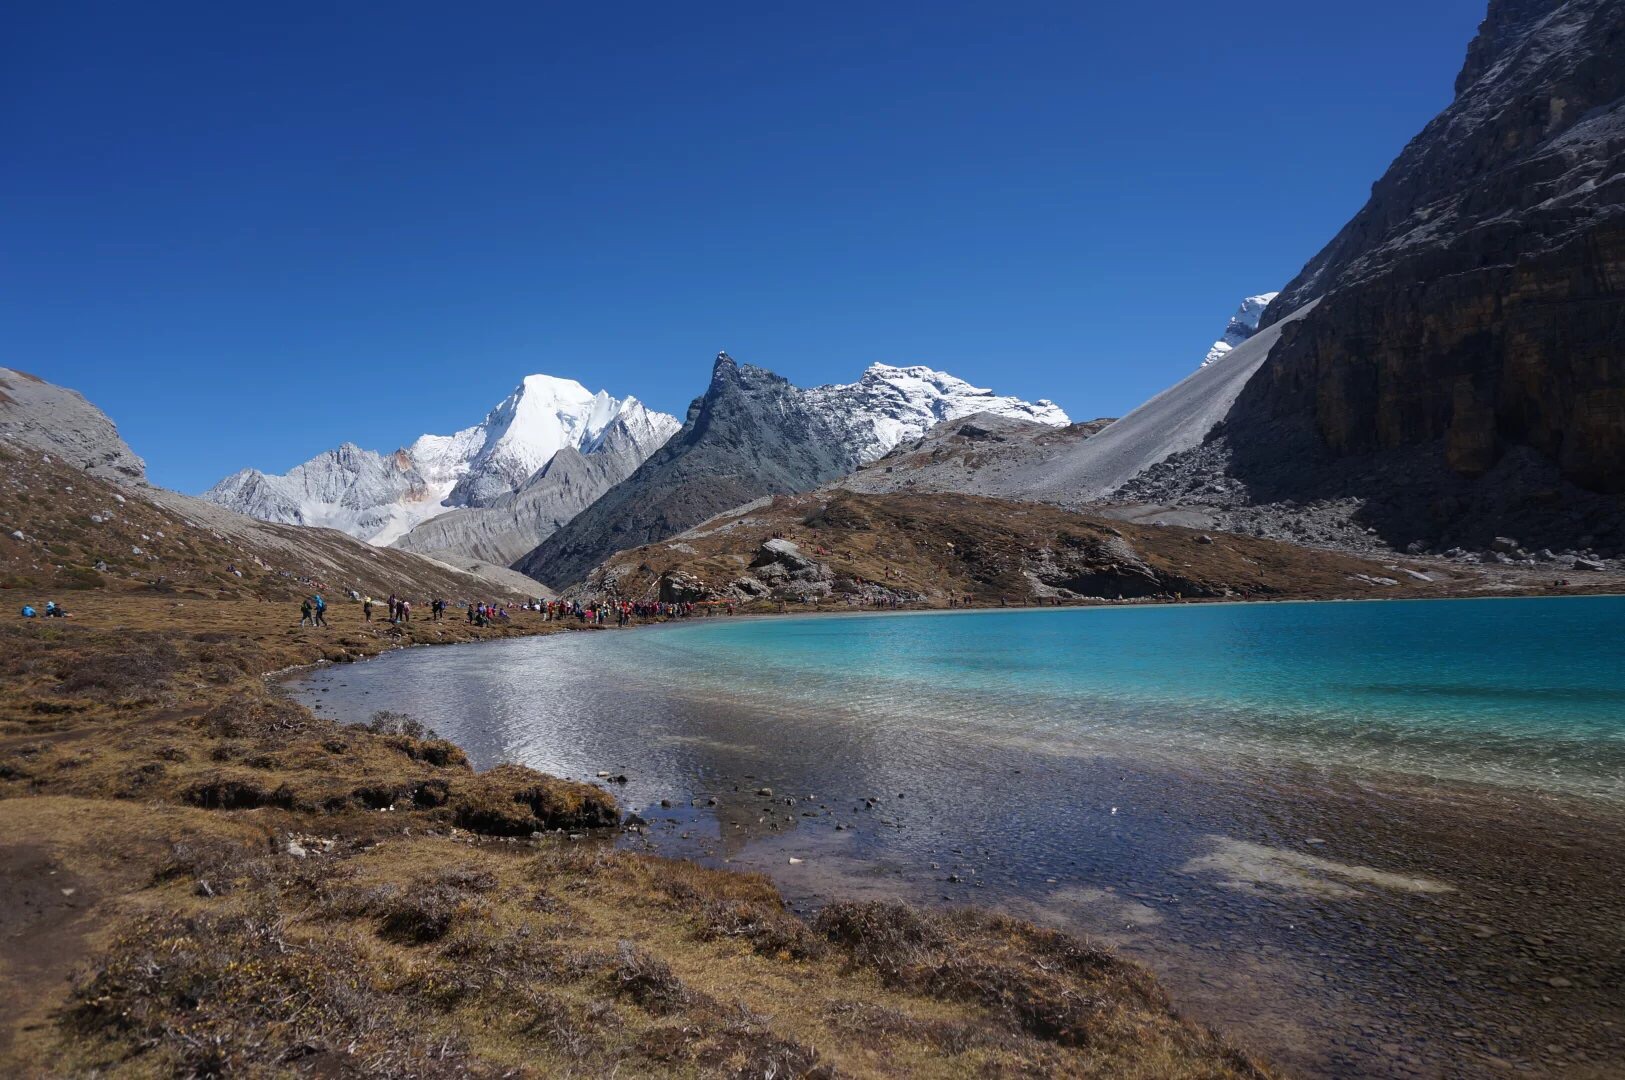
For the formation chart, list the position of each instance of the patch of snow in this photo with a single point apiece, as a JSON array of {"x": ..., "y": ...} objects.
[{"x": 1243, "y": 325}]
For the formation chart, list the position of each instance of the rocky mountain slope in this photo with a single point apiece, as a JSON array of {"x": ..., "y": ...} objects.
[
  {"x": 1178, "y": 419},
  {"x": 980, "y": 454},
  {"x": 1464, "y": 375},
  {"x": 843, "y": 548},
  {"x": 60, "y": 422},
  {"x": 63, "y": 530},
  {"x": 1243, "y": 325},
  {"x": 517, "y": 521},
  {"x": 381, "y": 497},
  {"x": 752, "y": 433},
  {"x": 75, "y": 513}
]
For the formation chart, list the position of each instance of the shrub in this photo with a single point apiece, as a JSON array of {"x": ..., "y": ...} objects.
[{"x": 647, "y": 980}]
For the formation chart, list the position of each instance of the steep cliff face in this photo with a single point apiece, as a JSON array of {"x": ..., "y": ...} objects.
[{"x": 1472, "y": 314}]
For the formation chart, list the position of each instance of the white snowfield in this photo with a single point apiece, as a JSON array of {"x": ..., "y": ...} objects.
[{"x": 1177, "y": 419}]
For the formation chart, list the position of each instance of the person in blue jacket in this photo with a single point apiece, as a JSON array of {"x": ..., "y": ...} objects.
[{"x": 321, "y": 609}]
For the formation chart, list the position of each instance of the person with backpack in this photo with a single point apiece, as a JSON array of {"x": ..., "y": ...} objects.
[
  {"x": 366, "y": 608},
  {"x": 305, "y": 610},
  {"x": 321, "y": 610}
]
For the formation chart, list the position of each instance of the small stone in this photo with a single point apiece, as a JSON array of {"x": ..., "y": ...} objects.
[
  {"x": 1559, "y": 982},
  {"x": 767, "y": 791}
]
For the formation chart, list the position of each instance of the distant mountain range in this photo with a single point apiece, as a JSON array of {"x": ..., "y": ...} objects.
[
  {"x": 382, "y": 497},
  {"x": 496, "y": 490},
  {"x": 752, "y": 433}
]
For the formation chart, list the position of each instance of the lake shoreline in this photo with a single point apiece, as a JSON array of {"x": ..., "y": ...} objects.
[{"x": 1380, "y": 828}]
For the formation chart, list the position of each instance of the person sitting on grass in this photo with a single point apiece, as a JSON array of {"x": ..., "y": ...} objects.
[
  {"x": 54, "y": 612},
  {"x": 28, "y": 611}
]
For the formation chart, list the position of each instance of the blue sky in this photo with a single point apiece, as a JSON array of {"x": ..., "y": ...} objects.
[{"x": 252, "y": 232}]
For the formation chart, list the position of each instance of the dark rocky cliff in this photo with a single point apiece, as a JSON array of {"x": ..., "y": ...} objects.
[
  {"x": 750, "y": 434},
  {"x": 1471, "y": 337}
]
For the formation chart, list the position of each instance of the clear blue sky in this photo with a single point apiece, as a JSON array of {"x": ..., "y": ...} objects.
[{"x": 250, "y": 232}]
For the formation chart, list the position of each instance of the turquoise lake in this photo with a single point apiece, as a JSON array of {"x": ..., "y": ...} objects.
[
  {"x": 1333, "y": 828},
  {"x": 1523, "y": 692}
]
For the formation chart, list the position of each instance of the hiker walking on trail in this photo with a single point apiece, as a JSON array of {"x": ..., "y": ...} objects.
[
  {"x": 305, "y": 617},
  {"x": 321, "y": 610},
  {"x": 366, "y": 609}
]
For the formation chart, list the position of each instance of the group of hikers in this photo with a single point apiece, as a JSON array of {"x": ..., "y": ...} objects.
[
  {"x": 313, "y": 610},
  {"x": 622, "y": 611},
  {"x": 52, "y": 611}
]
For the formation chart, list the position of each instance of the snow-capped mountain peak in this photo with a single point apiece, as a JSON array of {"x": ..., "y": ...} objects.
[
  {"x": 379, "y": 497},
  {"x": 1243, "y": 325},
  {"x": 890, "y": 404}
]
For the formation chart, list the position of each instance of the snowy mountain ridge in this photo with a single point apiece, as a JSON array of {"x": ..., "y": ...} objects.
[
  {"x": 380, "y": 497},
  {"x": 1243, "y": 325},
  {"x": 889, "y": 405}
]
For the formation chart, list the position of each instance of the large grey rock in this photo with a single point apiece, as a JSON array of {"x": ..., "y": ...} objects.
[{"x": 59, "y": 421}]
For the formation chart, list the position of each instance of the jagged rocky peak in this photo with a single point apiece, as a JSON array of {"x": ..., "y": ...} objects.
[
  {"x": 1505, "y": 26},
  {"x": 1242, "y": 325},
  {"x": 381, "y": 497},
  {"x": 58, "y": 421}
]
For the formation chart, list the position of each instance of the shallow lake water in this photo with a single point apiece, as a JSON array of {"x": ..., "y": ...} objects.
[{"x": 1367, "y": 839}]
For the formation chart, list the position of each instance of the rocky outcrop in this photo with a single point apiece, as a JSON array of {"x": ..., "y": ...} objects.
[
  {"x": 1471, "y": 324},
  {"x": 981, "y": 454},
  {"x": 55, "y": 420}
]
